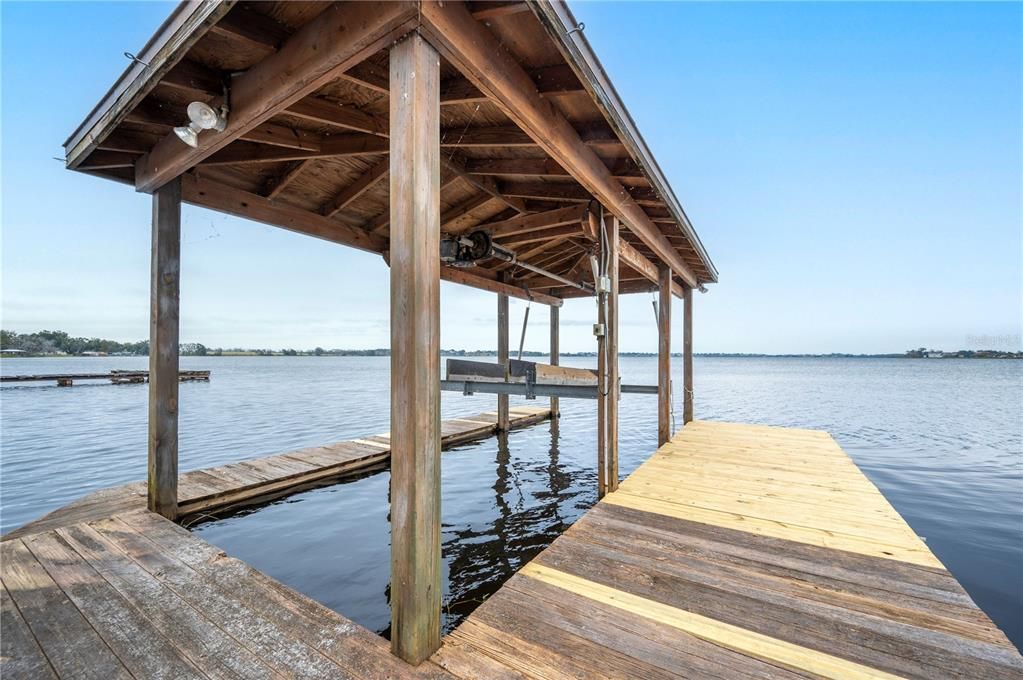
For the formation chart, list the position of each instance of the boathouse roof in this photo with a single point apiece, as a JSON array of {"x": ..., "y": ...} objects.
[{"x": 306, "y": 144}]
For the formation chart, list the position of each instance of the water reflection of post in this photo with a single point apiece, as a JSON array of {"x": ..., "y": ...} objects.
[
  {"x": 557, "y": 479},
  {"x": 501, "y": 488}
]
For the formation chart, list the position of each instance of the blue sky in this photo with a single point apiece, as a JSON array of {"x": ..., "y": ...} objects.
[{"x": 855, "y": 171}]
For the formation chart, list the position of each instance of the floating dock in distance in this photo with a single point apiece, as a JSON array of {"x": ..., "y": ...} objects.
[
  {"x": 257, "y": 480},
  {"x": 115, "y": 377},
  {"x": 735, "y": 551}
]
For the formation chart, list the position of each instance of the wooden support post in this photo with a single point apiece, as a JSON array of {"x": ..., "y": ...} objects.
[
  {"x": 614, "y": 381},
  {"x": 555, "y": 356},
  {"x": 687, "y": 357},
  {"x": 163, "y": 350},
  {"x": 602, "y": 390},
  {"x": 664, "y": 358},
  {"x": 502, "y": 356},
  {"x": 415, "y": 349}
]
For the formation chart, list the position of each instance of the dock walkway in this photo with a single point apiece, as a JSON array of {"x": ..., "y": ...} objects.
[
  {"x": 738, "y": 551},
  {"x": 260, "y": 479},
  {"x": 734, "y": 551}
]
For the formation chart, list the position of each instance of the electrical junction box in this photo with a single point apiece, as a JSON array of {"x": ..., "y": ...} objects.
[{"x": 598, "y": 330}]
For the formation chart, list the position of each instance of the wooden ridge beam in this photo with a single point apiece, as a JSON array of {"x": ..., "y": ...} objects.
[
  {"x": 216, "y": 196},
  {"x": 350, "y": 193},
  {"x": 471, "y": 48},
  {"x": 300, "y": 67}
]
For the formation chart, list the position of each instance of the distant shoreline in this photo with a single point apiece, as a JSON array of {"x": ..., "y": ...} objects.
[{"x": 481, "y": 353}]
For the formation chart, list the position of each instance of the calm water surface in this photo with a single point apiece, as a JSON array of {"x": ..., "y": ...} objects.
[{"x": 942, "y": 439}]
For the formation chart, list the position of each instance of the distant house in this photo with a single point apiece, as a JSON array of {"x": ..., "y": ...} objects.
[
  {"x": 94, "y": 354},
  {"x": 934, "y": 354},
  {"x": 14, "y": 352}
]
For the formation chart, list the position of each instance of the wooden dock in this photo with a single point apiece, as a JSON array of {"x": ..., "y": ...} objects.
[
  {"x": 116, "y": 377},
  {"x": 734, "y": 551},
  {"x": 258, "y": 480}
]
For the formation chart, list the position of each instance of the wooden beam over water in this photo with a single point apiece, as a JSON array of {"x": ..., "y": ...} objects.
[
  {"x": 162, "y": 484},
  {"x": 415, "y": 349}
]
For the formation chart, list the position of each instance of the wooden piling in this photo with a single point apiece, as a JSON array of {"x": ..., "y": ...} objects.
[
  {"x": 502, "y": 356},
  {"x": 613, "y": 375},
  {"x": 687, "y": 357},
  {"x": 415, "y": 349},
  {"x": 555, "y": 354},
  {"x": 664, "y": 358},
  {"x": 162, "y": 493}
]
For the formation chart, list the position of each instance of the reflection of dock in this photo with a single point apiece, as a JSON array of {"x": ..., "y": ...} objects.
[
  {"x": 252, "y": 481},
  {"x": 116, "y": 377},
  {"x": 734, "y": 551}
]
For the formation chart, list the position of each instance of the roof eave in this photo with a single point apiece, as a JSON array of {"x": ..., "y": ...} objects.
[
  {"x": 559, "y": 22},
  {"x": 183, "y": 28}
]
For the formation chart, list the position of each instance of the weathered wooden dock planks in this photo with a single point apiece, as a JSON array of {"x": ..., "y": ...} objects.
[
  {"x": 116, "y": 377},
  {"x": 247, "y": 481},
  {"x": 717, "y": 558},
  {"x": 737, "y": 551}
]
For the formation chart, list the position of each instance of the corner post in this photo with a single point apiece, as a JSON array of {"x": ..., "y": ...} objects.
[
  {"x": 415, "y": 349},
  {"x": 602, "y": 384},
  {"x": 555, "y": 355},
  {"x": 614, "y": 380},
  {"x": 163, "y": 350},
  {"x": 664, "y": 358},
  {"x": 687, "y": 357},
  {"x": 502, "y": 358}
]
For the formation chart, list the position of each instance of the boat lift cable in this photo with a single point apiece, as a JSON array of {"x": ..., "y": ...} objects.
[{"x": 525, "y": 320}]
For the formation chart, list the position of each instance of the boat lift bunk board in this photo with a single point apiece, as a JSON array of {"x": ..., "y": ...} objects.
[{"x": 527, "y": 378}]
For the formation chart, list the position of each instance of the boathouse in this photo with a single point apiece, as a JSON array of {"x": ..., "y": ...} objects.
[{"x": 479, "y": 143}]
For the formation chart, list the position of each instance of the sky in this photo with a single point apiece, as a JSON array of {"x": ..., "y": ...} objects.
[{"x": 854, "y": 170}]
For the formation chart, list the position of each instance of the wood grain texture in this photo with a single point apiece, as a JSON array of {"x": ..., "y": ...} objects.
[
  {"x": 687, "y": 356},
  {"x": 613, "y": 370},
  {"x": 664, "y": 357},
  {"x": 163, "y": 350},
  {"x": 503, "y": 340},
  {"x": 225, "y": 488},
  {"x": 415, "y": 349},
  {"x": 691, "y": 571},
  {"x": 300, "y": 67},
  {"x": 555, "y": 350}
]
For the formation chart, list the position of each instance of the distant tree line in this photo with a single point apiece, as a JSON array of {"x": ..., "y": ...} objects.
[{"x": 42, "y": 343}]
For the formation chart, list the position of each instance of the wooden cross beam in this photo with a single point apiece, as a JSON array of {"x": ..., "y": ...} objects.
[
  {"x": 298, "y": 68},
  {"x": 475, "y": 51}
]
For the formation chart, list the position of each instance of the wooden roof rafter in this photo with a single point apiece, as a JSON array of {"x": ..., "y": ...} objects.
[{"x": 319, "y": 142}]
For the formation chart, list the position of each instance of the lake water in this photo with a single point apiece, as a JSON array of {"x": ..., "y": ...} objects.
[{"x": 942, "y": 439}]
